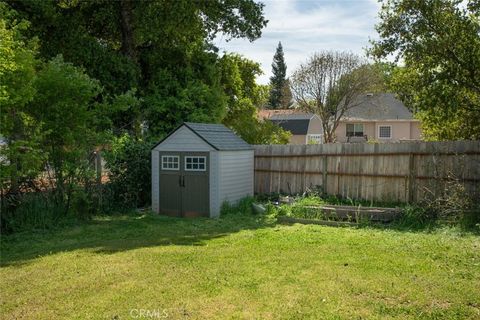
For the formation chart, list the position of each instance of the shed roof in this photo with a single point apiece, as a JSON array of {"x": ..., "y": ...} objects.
[
  {"x": 295, "y": 126},
  {"x": 217, "y": 135}
]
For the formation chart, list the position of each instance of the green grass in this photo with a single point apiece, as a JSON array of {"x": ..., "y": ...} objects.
[{"x": 238, "y": 267}]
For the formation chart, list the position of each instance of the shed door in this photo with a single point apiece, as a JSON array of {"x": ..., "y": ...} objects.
[
  {"x": 195, "y": 186},
  {"x": 170, "y": 183},
  {"x": 184, "y": 184}
]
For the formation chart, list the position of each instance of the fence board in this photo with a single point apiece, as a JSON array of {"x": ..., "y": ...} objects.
[{"x": 403, "y": 172}]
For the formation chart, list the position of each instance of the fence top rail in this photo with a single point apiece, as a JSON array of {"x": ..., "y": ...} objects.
[
  {"x": 447, "y": 148},
  {"x": 260, "y": 155}
]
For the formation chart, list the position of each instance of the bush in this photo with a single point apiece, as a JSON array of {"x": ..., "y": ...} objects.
[{"x": 129, "y": 166}]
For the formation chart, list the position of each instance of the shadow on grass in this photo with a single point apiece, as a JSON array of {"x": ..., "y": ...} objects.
[{"x": 113, "y": 234}]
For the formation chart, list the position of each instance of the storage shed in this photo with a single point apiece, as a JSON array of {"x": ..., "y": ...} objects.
[{"x": 199, "y": 166}]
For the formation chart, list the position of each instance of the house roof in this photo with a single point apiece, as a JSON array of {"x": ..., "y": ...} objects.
[
  {"x": 295, "y": 126},
  {"x": 380, "y": 106},
  {"x": 217, "y": 135},
  {"x": 292, "y": 120},
  {"x": 269, "y": 113}
]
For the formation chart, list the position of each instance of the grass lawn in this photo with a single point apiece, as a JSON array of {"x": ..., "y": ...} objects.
[{"x": 237, "y": 267}]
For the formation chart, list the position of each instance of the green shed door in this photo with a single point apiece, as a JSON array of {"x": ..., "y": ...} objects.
[
  {"x": 170, "y": 183},
  {"x": 195, "y": 185},
  {"x": 184, "y": 184}
]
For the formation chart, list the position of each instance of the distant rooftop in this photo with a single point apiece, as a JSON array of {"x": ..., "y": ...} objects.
[
  {"x": 295, "y": 126},
  {"x": 283, "y": 114},
  {"x": 379, "y": 106}
]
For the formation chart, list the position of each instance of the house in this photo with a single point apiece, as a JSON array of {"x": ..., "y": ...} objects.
[
  {"x": 304, "y": 127},
  {"x": 199, "y": 166},
  {"x": 379, "y": 117}
]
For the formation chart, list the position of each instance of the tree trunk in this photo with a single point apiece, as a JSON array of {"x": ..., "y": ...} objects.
[{"x": 128, "y": 41}]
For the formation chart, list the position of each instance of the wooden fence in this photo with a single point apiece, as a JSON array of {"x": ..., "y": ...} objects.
[{"x": 403, "y": 172}]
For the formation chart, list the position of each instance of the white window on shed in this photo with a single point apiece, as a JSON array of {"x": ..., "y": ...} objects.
[
  {"x": 385, "y": 132},
  {"x": 195, "y": 163},
  {"x": 170, "y": 162}
]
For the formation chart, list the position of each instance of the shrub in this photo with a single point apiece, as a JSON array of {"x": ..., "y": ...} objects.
[{"x": 129, "y": 167}]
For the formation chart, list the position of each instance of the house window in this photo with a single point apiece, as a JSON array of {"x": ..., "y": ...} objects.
[
  {"x": 355, "y": 130},
  {"x": 170, "y": 163},
  {"x": 314, "y": 138},
  {"x": 385, "y": 132},
  {"x": 195, "y": 163}
]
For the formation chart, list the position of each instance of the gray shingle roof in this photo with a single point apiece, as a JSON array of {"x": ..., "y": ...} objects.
[
  {"x": 381, "y": 106},
  {"x": 295, "y": 126},
  {"x": 293, "y": 116},
  {"x": 218, "y": 136}
]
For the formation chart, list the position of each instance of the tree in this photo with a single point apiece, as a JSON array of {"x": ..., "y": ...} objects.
[
  {"x": 439, "y": 44},
  {"x": 64, "y": 104},
  {"x": 279, "y": 87},
  {"x": 21, "y": 156},
  {"x": 328, "y": 85},
  {"x": 244, "y": 95},
  {"x": 163, "y": 49}
]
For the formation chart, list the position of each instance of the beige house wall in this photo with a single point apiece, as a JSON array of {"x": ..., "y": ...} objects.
[
  {"x": 401, "y": 130},
  {"x": 415, "y": 131},
  {"x": 315, "y": 126},
  {"x": 298, "y": 139}
]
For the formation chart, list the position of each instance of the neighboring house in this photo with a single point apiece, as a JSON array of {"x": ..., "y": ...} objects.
[
  {"x": 379, "y": 117},
  {"x": 304, "y": 127}
]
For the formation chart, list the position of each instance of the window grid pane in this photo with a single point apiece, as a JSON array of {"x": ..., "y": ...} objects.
[
  {"x": 193, "y": 163},
  {"x": 170, "y": 163},
  {"x": 385, "y": 132}
]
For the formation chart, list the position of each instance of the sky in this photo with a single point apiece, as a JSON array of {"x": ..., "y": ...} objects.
[{"x": 305, "y": 27}]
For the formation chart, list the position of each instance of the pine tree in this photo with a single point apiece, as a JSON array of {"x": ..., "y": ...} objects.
[{"x": 278, "y": 81}]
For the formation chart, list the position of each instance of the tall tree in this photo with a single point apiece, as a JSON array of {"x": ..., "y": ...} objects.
[
  {"x": 244, "y": 97},
  {"x": 163, "y": 49},
  {"x": 439, "y": 44},
  {"x": 279, "y": 88},
  {"x": 328, "y": 85},
  {"x": 20, "y": 157}
]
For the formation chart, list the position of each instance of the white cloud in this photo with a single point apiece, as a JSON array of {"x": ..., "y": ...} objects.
[{"x": 305, "y": 27}]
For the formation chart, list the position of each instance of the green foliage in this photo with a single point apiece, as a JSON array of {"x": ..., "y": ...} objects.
[
  {"x": 244, "y": 95},
  {"x": 163, "y": 49},
  {"x": 129, "y": 166},
  {"x": 21, "y": 157},
  {"x": 65, "y": 106},
  {"x": 439, "y": 43}
]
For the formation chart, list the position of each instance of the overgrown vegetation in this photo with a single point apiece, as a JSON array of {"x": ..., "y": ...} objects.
[{"x": 438, "y": 212}]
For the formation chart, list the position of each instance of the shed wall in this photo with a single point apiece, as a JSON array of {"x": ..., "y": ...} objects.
[
  {"x": 235, "y": 175},
  {"x": 214, "y": 181}
]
